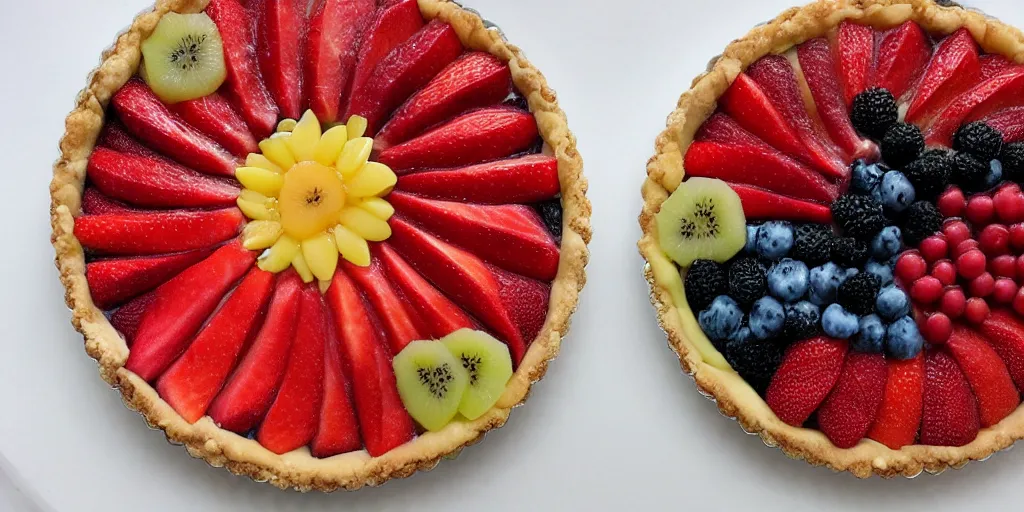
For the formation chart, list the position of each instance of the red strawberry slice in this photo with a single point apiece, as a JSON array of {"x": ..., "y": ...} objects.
[
  {"x": 1000, "y": 91},
  {"x": 476, "y": 79},
  {"x": 763, "y": 204},
  {"x": 338, "y": 431},
  {"x": 986, "y": 373},
  {"x": 154, "y": 183},
  {"x": 128, "y": 317},
  {"x": 95, "y": 203},
  {"x": 954, "y": 68},
  {"x": 855, "y": 54},
  {"x": 819, "y": 69},
  {"x": 247, "y": 395},
  {"x": 526, "y": 301},
  {"x": 525, "y": 179},
  {"x": 992, "y": 65},
  {"x": 335, "y": 29},
  {"x": 400, "y": 322},
  {"x": 244, "y": 82},
  {"x": 280, "y": 42},
  {"x": 900, "y": 415},
  {"x": 157, "y": 232},
  {"x": 145, "y": 116},
  {"x": 478, "y": 136},
  {"x": 807, "y": 374},
  {"x": 114, "y": 281},
  {"x": 214, "y": 116},
  {"x": 950, "y": 414},
  {"x": 294, "y": 416},
  {"x": 191, "y": 383},
  {"x": 1009, "y": 122},
  {"x": 392, "y": 24},
  {"x": 441, "y": 316},
  {"x": 181, "y": 306},
  {"x": 383, "y": 421},
  {"x": 461, "y": 276},
  {"x": 114, "y": 136},
  {"x": 1005, "y": 333},
  {"x": 851, "y": 408},
  {"x": 402, "y": 72},
  {"x": 512, "y": 237},
  {"x": 726, "y": 151},
  {"x": 902, "y": 55}
]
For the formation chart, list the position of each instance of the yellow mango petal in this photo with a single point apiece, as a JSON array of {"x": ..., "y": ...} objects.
[
  {"x": 277, "y": 150},
  {"x": 305, "y": 137},
  {"x": 280, "y": 255},
  {"x": 354, "y": 156},
  {"x": 260, "y": 180},
  {"x": 260, "y": 234},
  {"x": 351, "y": 246},
  {"x": 330, "y": 145},
  {"x": 321, "y": 255},
  {"x": 286, "y": 125},
  {"x": 300, "y": 265},
  {"x": 380, "y": 208},
  {"x": 356, "y": 127},
  {"x": 372, "y": 179},
  {"x": 365, "y": 224},
  {"x": 258, "y": 160},
  {"x": 252, "y": 210},
  {"x": 324, "y": 284}
]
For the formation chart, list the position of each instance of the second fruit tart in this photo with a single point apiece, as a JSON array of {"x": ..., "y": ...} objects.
[{"x": 325, "y": 246}]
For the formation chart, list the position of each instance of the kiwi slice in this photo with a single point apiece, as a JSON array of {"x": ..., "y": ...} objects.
[
  {"x": 702, "y": 219},
  {"x": 489, "y": 365},
  {"x": 183, "y": 58},
  {"x": 431, "y": 383}
]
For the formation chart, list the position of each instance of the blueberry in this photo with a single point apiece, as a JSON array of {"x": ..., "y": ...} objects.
[
  {"x": 892, "y": 302},
  {"x": 995, "y": 174},
  {"x": 886, "y": 243},
  {"x": 865, "y": 177},
  {"x": 742, "y": 335},
  {"x": 825, "y": 280},
  {"x": 838, "y": 322},
  {"x": 903, "y": 340},
  {"x": 876, "y": 193},
  {"x": 774, "y": 239},
  {"x": 788, "y": 280},
  {"x": 870, "y": 335},
  {"x": 766, "y": 318},
  {"x": 880, "y": 270},
  {"x": 721, "y": 319},
  {"x": 897, "y": 192},
  {"x": 751, "y": 245}
]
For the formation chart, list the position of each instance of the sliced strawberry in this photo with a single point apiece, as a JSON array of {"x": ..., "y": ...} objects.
[
  {"x": 807, "y": 374},
  {"x": 478, "y": 136},
  {"x": 181, "y": 306},
  {"x": 954, "y": 67},
  {"x": 819, "y": 68},
  {"x": 852, "y": 406},
  {"x": 989, "y": 379},
  {"x": 476, "y": 79},
  {"x": 150, "y": 182},
  {"x": 128, "y": 317},
  {"x": 244, "y": 82},
  {"x": 1000, "y": 91},
  {"x": 335, "y": 29},
  {"x": 338, "y": 431},
  {"x": 114, "y": 281},
  {"x": 157, "y": 232},
  {"x": 294, "y": 415},
  {"x": 281, "y": 38},
  {"x": 726, "y": 151},
  {"x": 95, "y": 203},
  {"x": 763, "y": 204},
  {"x": 992, "y": 65},
  {"x": 247, "y": 396},
  {"x": 950, "y": 414},
  {"x": 902, "y": 55},
  {"x": 440, "y": 316},
  {"x": 526, "y": 301},
  {"x": 214, "y": 116},
  {"x": 145, "y": 116},
  {"x": 855, "y": 54},
  {"x": 114, "y": 136},
  {"x": 393, "y": 23},
  {"x": 401, "y": 323},
  {"x": 383, "y": 420},
  {"x": 512, "y": 237},
  {"x": 191, "y": 383},
  {"x": 1009, "y": 122},
  {"x": 1005, "y": 332},
  {"x": 461, "y": 276},
  {"x": 525, "y": 179},
  {"x": 900, "y": 415},
  {"x": 402, "y": 72}
]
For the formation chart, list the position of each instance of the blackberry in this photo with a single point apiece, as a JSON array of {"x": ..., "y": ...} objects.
[
  {"x": 969, "y": 172},
  {"x": 704, "y": 281},
  {"x": 1013, "y": 162},
  {"x": 812, "y": 244},
  {"x": 747, "y": 281},
  {"x": 874, "y": 111},
  {"x": 930, "y": 174},
  {"x": 551, "y": 213},
  {"x": 979, "y": 140},
  {"x": 755, "y": 360},
  {"x": 858, "y": 216},
  {"x": 802, "y": 322},
  {"x": 920, "y": 221},
  {"x": 858, "y": 292},
  {"x": 849, "y": 252},
  {"x": 902, "y": 144}
]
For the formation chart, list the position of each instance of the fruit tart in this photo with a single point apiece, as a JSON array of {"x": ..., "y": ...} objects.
[
  {"x": 319, "y": 245},
  {"x": 834, "y": 231}
]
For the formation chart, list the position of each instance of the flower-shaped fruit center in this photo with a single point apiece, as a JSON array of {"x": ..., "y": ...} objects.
[{"x": 313, "y": 194}]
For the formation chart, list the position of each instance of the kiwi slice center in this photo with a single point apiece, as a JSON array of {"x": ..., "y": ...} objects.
[
  {"x": 186, "y": 54},
  {"x": 436, "y": 379},
  {"x": 471, "y": 363},
  {"x": 704, "y": 224}
]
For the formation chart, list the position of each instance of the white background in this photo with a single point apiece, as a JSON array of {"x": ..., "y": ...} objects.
[{"x": 614, "y": 425}]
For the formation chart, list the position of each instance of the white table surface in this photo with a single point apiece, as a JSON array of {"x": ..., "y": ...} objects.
[{"x": 614, "y": 425}]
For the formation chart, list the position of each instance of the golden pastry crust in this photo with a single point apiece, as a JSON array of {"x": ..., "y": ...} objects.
[
  {"x": 242, "y": 456},
  {"x": 665, "y": 172}
]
